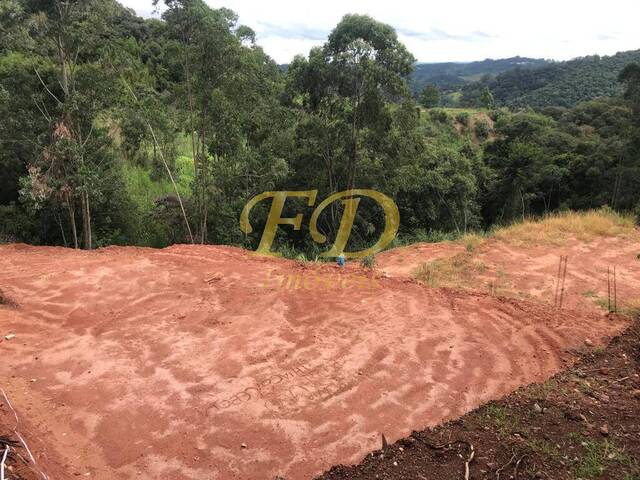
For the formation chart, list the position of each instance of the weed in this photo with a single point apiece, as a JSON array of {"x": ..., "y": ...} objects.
[
  {"x": 544, "y": 447},
  {"x": 502, "y": 419},
  {"x": 368, "y": 261},
  {"x": 458, "y": 271},
  {"x": 543, "y": 390},
  {"x": 472, "y": 241},
  {"x": 597, "y": 455},
  {"x": 631, "y": 308}
]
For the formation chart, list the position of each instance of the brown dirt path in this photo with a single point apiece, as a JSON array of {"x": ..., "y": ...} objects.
[{"x": 190, "y": 363}]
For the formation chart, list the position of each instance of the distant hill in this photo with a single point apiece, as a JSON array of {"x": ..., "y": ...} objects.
[
  {"x": 562, "y": 84},
  {"x": 452, "y": 76}
]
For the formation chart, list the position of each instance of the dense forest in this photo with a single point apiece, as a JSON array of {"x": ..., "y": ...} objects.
[{"x": 122, "y": 130}]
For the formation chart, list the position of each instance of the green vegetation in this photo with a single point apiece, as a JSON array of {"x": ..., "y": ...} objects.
[
  {"x": 449, "y": 77},
  {"x": 564, "y": 84},
  {"x": 123, "y": 130},
  {"x": 430, "y": 96},
  {"x": 597, "y": 455}
]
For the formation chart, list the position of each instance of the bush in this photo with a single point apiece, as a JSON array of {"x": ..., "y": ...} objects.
[
  {"x": 368, "y": 261},
  {"x": 463, "y": 118},
  {"x": 482, "y": 130},
  {"x": 439, "y": 115},
  {"x": 17, "y": 225},
  {"x": 496, "y": 115}
]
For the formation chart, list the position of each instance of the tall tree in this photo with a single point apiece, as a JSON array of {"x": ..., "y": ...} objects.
[
  {"x": 430, "y": 96},
  {"x": 367, "y": 65}
]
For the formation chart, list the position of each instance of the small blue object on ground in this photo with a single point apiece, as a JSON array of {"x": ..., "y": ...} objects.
[{"x": 341, "y": 261}]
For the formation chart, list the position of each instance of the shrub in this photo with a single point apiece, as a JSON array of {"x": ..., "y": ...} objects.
[
  {"x": 463, "y": 118},
  {"x": 440, "y": 116},
  {"x": 482, "y": 130},
  {"x": 368, "y": 261}
]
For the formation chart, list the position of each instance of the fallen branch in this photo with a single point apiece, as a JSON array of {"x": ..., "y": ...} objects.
[
  {"x": 4, "y": 459},
  {"x": 443, "y": 446},
  {"x": 515, "y": 470},
  {"x": 22, "y": 440},
  {"x": 469, "y": 460},
  {"x": 513, "y": 457}
]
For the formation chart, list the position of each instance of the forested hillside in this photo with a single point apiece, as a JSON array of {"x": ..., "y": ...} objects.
[
  {"x": 122, "y": 130},
  {"x": 450, "y": 76},
  {"x": 562, "y": 84}
]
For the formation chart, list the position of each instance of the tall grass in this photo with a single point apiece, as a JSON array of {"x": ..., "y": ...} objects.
[{"x": 559, "y": 227}]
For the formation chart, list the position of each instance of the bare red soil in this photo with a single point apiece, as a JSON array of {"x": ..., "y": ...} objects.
[
  {"x": 530, "y": 272},
  {"x": 198, "y": 362}
]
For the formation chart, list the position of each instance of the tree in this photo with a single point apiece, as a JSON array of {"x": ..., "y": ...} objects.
[
  {"x": 630, "y": 76},
  {"x": 367, "y": 64},
  {"x": 629, "y": 167},
  {"x": 486, "y": 99},
  {"x": 75, "y": 35},
  {"x": 430, "y": 96}
]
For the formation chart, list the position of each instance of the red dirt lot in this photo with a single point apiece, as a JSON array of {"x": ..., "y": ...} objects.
[
  {"x": 200, "y": 362},
  {"x": 531, "y": 271}
]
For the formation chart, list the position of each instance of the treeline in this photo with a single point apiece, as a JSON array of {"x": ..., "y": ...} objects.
[{"x": 122, "y": 130}]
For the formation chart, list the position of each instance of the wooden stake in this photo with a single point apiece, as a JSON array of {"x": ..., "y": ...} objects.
[
  {"x": 615, "y": 291},
  {"x": 564, "y": 276},
  {"x": 609, "y": 287},
  {"x": 555, "y": 300}
]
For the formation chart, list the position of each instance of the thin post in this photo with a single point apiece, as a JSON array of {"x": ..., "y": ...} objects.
[
  {"x": 615, "y": 290},
  {"x": 564, "y": 276},
  {"x": 609, "y": 287},
  {"x": 555, "y": 300}
]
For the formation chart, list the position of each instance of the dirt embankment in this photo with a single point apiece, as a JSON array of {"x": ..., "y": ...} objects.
[
  {"x": 202, "y": 362},
  {"x": 582, "y": 423}
]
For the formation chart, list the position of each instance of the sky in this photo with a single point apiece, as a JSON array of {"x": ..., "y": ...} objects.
[{"x": 447, "y": 30}]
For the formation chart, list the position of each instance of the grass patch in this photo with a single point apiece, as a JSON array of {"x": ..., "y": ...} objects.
[
  {"x": 543, "y": 390},
  {"x": 631, "y": 307},
  {"x": 503, "y": 419},
  {"x": 597, "y": 456},
  {"x": 557, "y": 228},
  {"x": 471, "y": 241},
  {"x": 544, "y": 447},
  {"x": 458, "y": 271}
]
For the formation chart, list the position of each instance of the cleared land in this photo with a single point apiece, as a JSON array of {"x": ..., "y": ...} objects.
[{"x": 210, "y": 362}]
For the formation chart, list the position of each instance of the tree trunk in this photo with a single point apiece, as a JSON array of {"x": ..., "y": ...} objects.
[
  {"x": 351, "y": 169},
  {"x": 72, "y": 222},
  {"x": 86, "y": 220}
]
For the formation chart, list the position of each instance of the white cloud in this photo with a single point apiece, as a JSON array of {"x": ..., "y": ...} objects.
[{"x": 459, "y": 30}]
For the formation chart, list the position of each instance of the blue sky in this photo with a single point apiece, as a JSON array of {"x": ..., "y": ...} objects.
[{"x": 461, "y": 30}]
